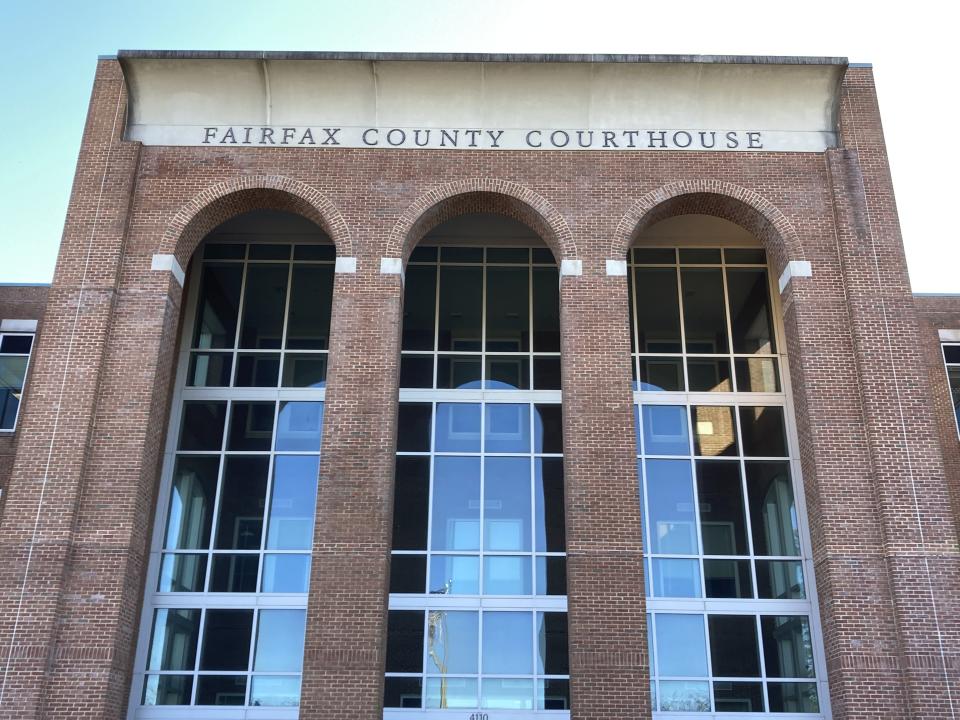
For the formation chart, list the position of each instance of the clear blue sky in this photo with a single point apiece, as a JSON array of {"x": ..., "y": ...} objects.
[{"x": 50, "y": 49}]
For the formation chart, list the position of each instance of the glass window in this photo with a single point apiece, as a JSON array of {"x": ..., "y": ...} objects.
[
  {"x": 228, "y": 609},
  {"x": 951, "y": 356},
  {"x": 14, "y": 358},
  {"x": 730, "y": 627}
]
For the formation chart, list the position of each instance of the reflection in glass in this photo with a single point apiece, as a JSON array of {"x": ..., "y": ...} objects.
[
  {"x": 665, "y": 430},
  {"x": 673, "y": 521},
  {"x": 551, "y": 575},
  {"x": 681, "y": 648},
  {"x": 550, "y": 530},
  {"x": 546, "y": 373},
  {"x": 251, "y": 426},
  {"x": 206, "y": 369},
  {"x": 722, "y": 521},
  {"x": 292, "y": 502},
  {"x": 457, "y": 427},
  {"x": 704, "y": 313},
  {"x": 780, "y": 579},
  {"x": 552, "y": 656},
  {"x": 773, "y": 516},
  {"x": 733, "y": 646},
  {"x": 508, "y": 372},
  {"x": 280, "y": 640},
  {"x": 508, "y": 316},
  {"x": 311, "y": 297},
  {"x": 738, "y": 696},
  {"x": 272, "y": 691},
  {"x": 234, "y": 573},
  {"x": 506, "y": 643},
  {"x": 257, "y": 370},
  {"x": 202, "y": 425},
  {"x": 793, "y": 697},
  {"x": 506, "y": 503},
  {"x": 402, "y": 692},
  {"x": 787, "y": 646},
  {"x": 459, "y": 372},
  {"x": 507, "y": 575},
  {"x": 757, "y": 375},
  {"x": 173, "y": 645},
  {"x": 764, "y": 434},
  {"x": 454, "y": 575},
  {"x": 182, "y": 573},
  {"x": 728, "y": 578},
  {"x": 658, "y": 310},
  {"x": 299, "y": 425},
  {"x": 507, "y": 694},
  {"x": 452, "y": 693},
  {"x": 264, "y": 298},
  {"x": 709, "y": 374},
  {"x": 242, "y": 502},
  {"x": 419, "y": 307},
  {"x": 226, "y": 639},
  {"x": 750, "y": 316},
  {"x": 216, "y": 325},
  {"x": 285, "y": 573},
  {"x": 404, "y": 641},
  {"x": 507, "y": 428},
  {"x": 461, "y": 304},
  {"x": 304, "y": 371},
  {"x": 191, "y": 503},
  {"x": 456, "y": 504},
  {"x": 221, "y": 690},
  {"x": 661, "y": 374},
  {"x": 553, "y": 694},
  {"x": 715, "y": 433},
  {"x": 676, "y": 578},
  {"x": 167, "y": 690},
  {"x": 416, "y": 371},
  {"x": 548, "y": 429},
  {"x": 452, "y": 640},
  {"x": 689, "y": 695},
  {"x": 546, "y": 309}
]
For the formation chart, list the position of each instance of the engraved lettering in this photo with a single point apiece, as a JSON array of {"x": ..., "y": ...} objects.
[{"x": 495, "y": 136}]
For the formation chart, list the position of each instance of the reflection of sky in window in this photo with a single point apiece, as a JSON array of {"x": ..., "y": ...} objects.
[
  {"x": 507, "y": 638},
  {"x": 508, "y": 428},
  {"x": 292, "y": 503},
  {"x": 280, "y": 640},
  {"x": 665, "y": 430},
  {"x": 507, "y": 503},
  {"x": 299, "y": 426},
  {"x": 680, "y": 645},
  {"x": 670, "y": 497},
  {"x": 457, "y": 427},
  {"x": 452, "y": 638},
  {"x": 456, "y": 503}
]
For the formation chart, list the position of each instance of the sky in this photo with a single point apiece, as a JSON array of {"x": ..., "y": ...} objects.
[{"x": 50, "y": 48}]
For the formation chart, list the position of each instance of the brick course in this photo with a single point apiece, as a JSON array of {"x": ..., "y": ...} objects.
[{"x": 877, "y": 484}]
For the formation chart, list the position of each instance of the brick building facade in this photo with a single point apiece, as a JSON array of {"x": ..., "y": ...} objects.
[{"x": 838, "y": 357}]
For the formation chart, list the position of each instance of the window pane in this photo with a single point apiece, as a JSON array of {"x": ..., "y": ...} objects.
[
  {"x": 405, "y": 641},
  {"x": 226, "y": 640},
  {"x": 264, "y": 298},
  {"x": 546, "y": 310},
  {"x": 684, "y": 695},
  {"x": 269, "y": 251},
  {"x": 728, "y": 578},
  {"x": 242, "y": 502},
  {"x": 456, "y": 254},
  {"x": 773, "y": 516},
  {"x": 733, "y": 646},
  {"x": 507, "y": 504},
  {"x": 280, "y": 640},
  {"x": 251, "y": 426},
  {"x": 311, "y": 298},
  {"x": 452, "y": 641},
  {"x": 780, "y": 579},
  {"x": 315, "y": 251},
  {"x": 167, "y": 690},
  {"x": 411, "y": 497},
  {"x": 507, "y": 428},
  {"x": 173, "y": 644},
  {"x": 547, "y": 429},
  {"x": 299, "y": 426},
  {"x": 722, "y": 520},
  {"x": 704, "y": 316},
  {"x": 548, "y": 496},
  {"x": 953, "y": 375},
  {"x": 681, "y": 649},
  {"x": 308, "y": 371},
  {"x": 793, "y": 697},
  {"x": 191, "y": 502},
  {"x": 209, "y": 369},
  {"x": 457, "y": 427},
  {"x": 292, "y": 502},
  {"x": 456, "y": 504},
  {"x": 416, "y": 371},
  {"x": 507, "y": 575},
  {"x": 408, "y": 573},
  {"x": 286, "y": 573},
  {"x": 551, "y": 575},
  {"x": 787, "y": 646},
  {"x": 763, "y": 431},
  {"x": 224, "y": 251},
  {"x": 507, "y": 643},
  {"x": 413, "y": 427},
  {"x": 699, "y": 256},
  {"x": 745, "y": 256},
  {"x": 757, "y": 375},
  {"x": 454, "y": 575},
  {"x": 459, "y": 372},
  {"x": 552, "y": 657},
  {"x": 257, "y": 370},
  {"x": 419, "y": 307},
  {"x": 275, "y": 692},
  {"x": 553, "y": 695},
  {"x": 507, "y": 694},
  {"x": 665, "y": 430},
  {"x": 738, "y": 696},
  {"x": 218, "y": 306},
  {"x": 219, "y": 690},
  {"x": 676, "y": 578},
  {"x": 182, "y": 573},
  {"x": 661, "y": 374},
  {"x": 709, "y": 375},
  {"x": 658, "y": 310},
  {"x": 202, "y": 425},
  {"x": 546, "y": 373},
  {"x": 673, "y": 527},
  {"x": 715, "y": 432},
  {"x": 508, "y": 372},
  {"x": 234, "y": 573},
  {"x": 461, "y": 298},
  {"x": 655, "y": 256},
  {"x": 451, "y": 693},
  {"x": 508, "y": 309},
  {"x": 750, "y": 316},
  {"x": 402, "y": 692}
]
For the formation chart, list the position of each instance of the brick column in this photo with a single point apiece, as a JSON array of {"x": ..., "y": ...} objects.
[
  {"x": 609, "y": 670},
  {"x": 52, "y": 623},
  {"x": 346, "y": 613}
]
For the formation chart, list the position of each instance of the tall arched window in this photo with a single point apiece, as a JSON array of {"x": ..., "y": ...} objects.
[
  {"x": 478, "y": 580},
  {"x": 225, "y": 604},
  {"x": 732, "y": 623}
]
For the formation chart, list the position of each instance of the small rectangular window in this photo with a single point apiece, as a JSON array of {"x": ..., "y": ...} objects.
[{"x": 14, "y": 358}]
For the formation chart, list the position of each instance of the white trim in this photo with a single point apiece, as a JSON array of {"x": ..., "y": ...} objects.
[
  {"x": 795, "y": 268},
  {"x": 391, "y": 266},
  {"x": 345, "y": 265},
  {"x": 950, "y": 336},
  {"x": 617, "y": 267},
  {"x": 18, "y": 326},
  {"x": 165, "y": 261},
  {"x": 570, "y": 266}
]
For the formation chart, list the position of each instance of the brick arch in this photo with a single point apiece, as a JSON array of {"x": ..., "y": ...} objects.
[
  {"x": 481, "y": 195},
  {"x": 712, "y": 197},
  {"x": 218, "y": 203}
]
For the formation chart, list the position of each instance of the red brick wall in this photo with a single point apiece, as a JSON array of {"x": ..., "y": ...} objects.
[{"x": 112, "y": 327}]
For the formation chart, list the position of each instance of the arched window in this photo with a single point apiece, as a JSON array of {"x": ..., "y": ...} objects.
[
  {"x": 225, "y": 603},
  {"x": 478, "y": 580},
  {"x": 732, "y": 622}
]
